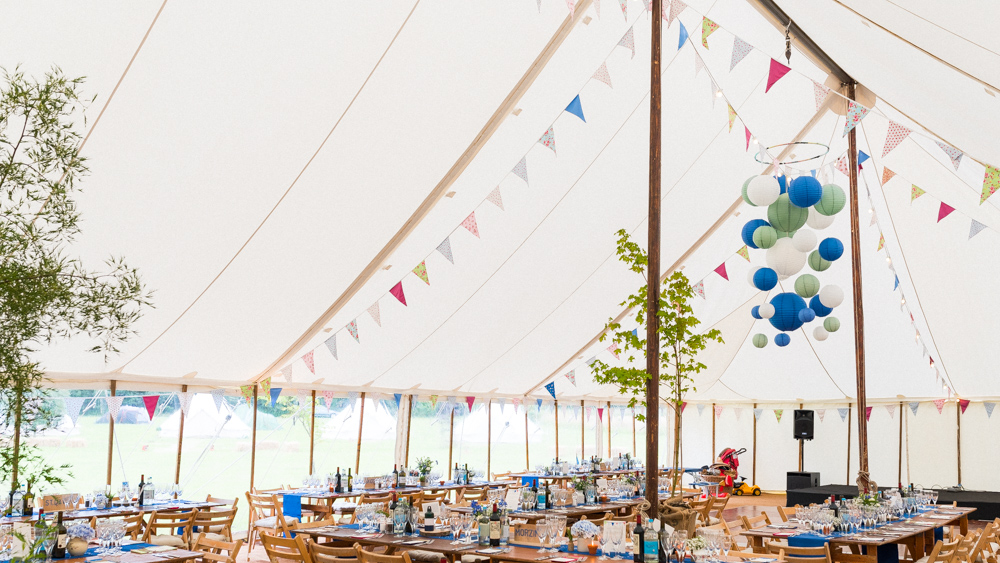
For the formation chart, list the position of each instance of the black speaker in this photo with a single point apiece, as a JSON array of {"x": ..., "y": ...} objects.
[{"x": 803, "y": 427}]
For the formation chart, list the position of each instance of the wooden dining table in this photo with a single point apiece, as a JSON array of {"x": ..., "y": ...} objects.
[
  {"x": 572, "y": 513},
  {"x": 118, "y": 511},
  {"x": 327, "y": 500}
]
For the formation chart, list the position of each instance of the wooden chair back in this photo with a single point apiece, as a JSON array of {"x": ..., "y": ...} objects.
[
  {"x": 802, "y": 554},
  {"x": 169, "y": 522},
  {"x": 331, "y": 521},
  {"x": 943, "y": 552},
  {"x": 280, "y": 549},
  {"x": 373, "y": 499},
  {"x": 749, "y": 555},
  {"x": 973, "y": 545},
  {"x": 468, "y": 494},
  {"x": 786, "y": 513},
  {"x": 216, "y": 522},
  {"x": 435, "y": 496},
  {"x": 231, "y": 502},
  {"x": 599, "y": 520},
  {"x": 326, "y": 554},
  {"x": 370, "y": 557},
  {"x": 264, "y": 505},
  {"x": 216, "y": 551},
  {"x": 134, "y": 526},
  {"x": 717, "y": 505},
  {"x": 756, "y": 521}
]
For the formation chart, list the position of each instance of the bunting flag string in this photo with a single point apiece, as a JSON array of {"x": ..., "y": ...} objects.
[
  {"x": 894, "y": 136},
  {"x": 445, "y": 249},
  {"x": 548, "y": 139},
  {"x": 308, "y": 359},
  {"x": 740, "y": 50}
]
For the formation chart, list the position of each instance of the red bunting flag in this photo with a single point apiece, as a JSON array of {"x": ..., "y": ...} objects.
[
  {"x": 471, "y": 401},
  {"x": 944, "y": 211},
  {"x": 397, "y": 292},
  {"x": 964, "y": 404},
  {"x": 775, "y": 73},
  {"x": 721, "y": 270},
  {"x": 868, "y": 413},
  {"x": 150, "y": 402},
  {"x": 307, "y": 359},
  {"x": 683, "y": 406}
]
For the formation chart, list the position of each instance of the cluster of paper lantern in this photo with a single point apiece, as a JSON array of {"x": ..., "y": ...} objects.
[{"x": 791, "y": 206}]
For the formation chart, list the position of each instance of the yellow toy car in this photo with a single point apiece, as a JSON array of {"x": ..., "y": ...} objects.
[{"x": 741, "y": 488}]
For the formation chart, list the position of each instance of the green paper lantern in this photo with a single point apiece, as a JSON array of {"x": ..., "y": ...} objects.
[
  {"x": 786, "y": 234},
  {"x": 745, "y": 185},
  {"x": 759, "y": 340},
  {"x": 832, "y": 202},
  {"x": 806, "y": 285},
  {"x": 817, "y": 263},
  {"x": 784, "y": 216},
  {"x": 831, "y": 324},
  {"x": 765, "y": 237}
]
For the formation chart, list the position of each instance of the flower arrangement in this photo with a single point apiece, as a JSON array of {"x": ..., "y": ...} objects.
[
  {"x": 424, "y": 465},
  {"x": 81, "y": 531},
  {"x": 581, "y": 483},
  {"x": 696, "y": 543},
  {"x": 482, "y": 512},
  {"x": 867, "y": 499},
  {"x": 584, "y": 529}
]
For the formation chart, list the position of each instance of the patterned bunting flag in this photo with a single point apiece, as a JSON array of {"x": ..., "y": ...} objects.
[
  {"x": 149, "y": 401},
  {"x": 821, "y": 413},
  {"x": 571, "y": 4},
  {"x": 602, "y": 73},
  {"x": 894, "y": 136},
  {"x": 718, "y": 411},
  {"x": 434, "y": 400},
  {"x": 328, "y": 399},
  {"x": 699, "y": 64},
  {"x": 708, "y": 27},
  {"x": 571, "y": 376},
  {"x": 963, "y": 404},
  {"x": 757, "y": 413},
  {"x": 721, "y": 270},
  {"x": 548, "y": 139},
  {"x": 775, "y": 73},
  {"x": 887, "y": 175},
  {"x": 732, "y": 117},
  {"x": 991, "y": 182},
  {"x": 820, "y": 92},
  {"x": 855, "y": 113},
  {"x": 843, "y": 414},
  {"x": 331, "y": 345},
  {"x": 114, "y": 405},
  {"x": 676, "y": 7},
  {"x": 502, "y": 402},
  {"x": 699, "y": 289},
  {"x": 881, "y": 242},
  {"x": 944, "y": 211},
  {"x": 868, "y": 413},
  {"x": 954, "y": 154},
  {"x": 777, "y": 414},
  {"x": 265, "y": 385},
  {"x": 397, "y": 292},
  {"x": 700, "y": 409},
  {"x": 874, "y": 220},
  {"x": 421, "y": 269},
  {"x": 748, "y": 136},
  {"x": 445, "y": 249},
  {"x": 275, "y": 393},
  {"x": 591, "y": 360},
  {"x": 517, "y": 404},
  {"x": 624, "y": 5},
  {"x": 628, "y": 41},
  {"x": 470, "y": 224},
  {"x": 187, "y": 396},
  {"x": 744, "y": 252},
  {"x": 495, "y": 199},
  {"x": 286, "y": 372},
  {"x": 939, "y": 403},
  {"x": 352, "y": 327},
  {"x": 551, "y": 388},
  {"x": 915, "y": 192},
  {"x": 989, "y": 409},
  {"x": 740, "y": 50},
  {"x": 841, "y": 166},
  {"x": 614, "y": 351},
  {"x": 975, "y": 228},
  {"x": 739, "y": 412},
  {"x": 914, "y": 406},
  {"x": 892, "y": 410},
  {"x": 576, "y": 108},
  {"x": 309, "y": 359},
  {"x": 73, "y": 407},
  {"x": 521, "y": 169},
  {"x": 247, "y": 392}
]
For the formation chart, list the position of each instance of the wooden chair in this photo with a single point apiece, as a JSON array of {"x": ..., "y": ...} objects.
[
  {"x": 217, "y": 525},
  {"x": 266, "y": 516},
  {"x": 973, "y": 545},
  {"x": 169, "y": 522},
  {"x": 748, "y": 555},
  {"x": 466, "y": 495},
  {"x": 628, "y": 516},
  {"x": 280, "y": 549},
  {"x": 212, "y": 550},
  {"x": 370, "y": 557},
  {"x": 435, "y": 496},
  {"x": 801, "y": 554},
  {"x": 298, "y": 526},
  {"x": 943, "y": 552},
  {"x": 715, "y": 507},
  {"x": 756, "y": 521},
  {"x": 371, "y": 499},
  {"x": 134, "y": 525},
  {"x": 599, "y": 522},
  {"x": 787, "y": 513},
  {"x": 736, "y": 528},
  {"x": 231, "y": 503},
  {"x": 326, "y": 554}
]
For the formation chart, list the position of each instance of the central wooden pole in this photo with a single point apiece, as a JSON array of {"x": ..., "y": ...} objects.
[
  {"x": 253, "y": 441},
  {"x": 583, "y": 431},
  {"x": 859, "y": 315},
  {"x": 653, "y": 270},
  {"x": 527, "y": 453},
  {"x": 180, "y": 440},
  {"x": 111, "y": 431},
  {"x": 556, "y": 409},
  {"x": 312, "y": 434},
  {"x": 489, "y": 437},
  {"x": 361, "y": 424}
]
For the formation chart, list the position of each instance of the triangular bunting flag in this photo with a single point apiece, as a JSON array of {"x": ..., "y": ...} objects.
[
  {"x": 894, "y": 136},
  {"x": 328, "y": 399},
  {"x": 732, "y": 117},
  {"x": 275, "y": 393},
  {"x": 820, "y": 92},
  {"x": 739, "y": 412},
  {"x": 600, "y": 413},
  {"x": 676, "y": 7},
  {"x": 757, "y": 413},
  {"x": 892, "y": 410},
  {"x": 352, "y": 327},
  {"x": 881, "y": 242},
  {"x": 744, "y": 252},
  {"x": 775, "y": 73},
  {"x": 954, "y": 154},
  {"x": 470, "y": 401},
  {"x": 548, "y": 139},
  {"x": 821, "y": 413},
  {"x": 421, "y": 269},
  {"x": 963, "y": 404},
  {"x": 521, "y": 169},
  {"x": 975, "y": 228},
  {"x": 721, "y": 270},
  {"x": 571, "y": 4},
  {"x": 602, "y": 73},
  {"x": 628, "y": 41},
  {"x": 748, "y": 136},
  {"x": 539, "y": 401},
  {"x": 635, "y": 332},
  {"x": 150, "y": 403},
  {"x": 843, "y": 414},
  {"x": 699, "y": 289},
  {"x": 989, "y": 409},
  {"x": 398, "y": 397},
  {"x": 247, "y": 392},
  {"x": 397, "y": 292},
  {"x": 517, "y": 403},
  {"x": 778, "y": 413},
  {"x": 219, "y": 396},
  {"x": 286, "y": 372},
  {"x": 571, "y": 376},
  {"x": 862, "y": 157},
  {"x": 187, "y": 396},
  {"x": 682, "y": 36},
  {"x": 939, "y": 403},
  {"x": 855, "y": 113},
  {"x": 915, "y": 192},
  {"x": 614, "y": 351},
  {"x": 841, "y": 166},
  {"x": 887, "y": 175},
  {"x": 73, "y": 406},
  {"x": 308, "y": 359},
  {"x": 470, "y": 224},
  {"x": 708, "y": 27},
  {"x": 445, "y": 249},
  {"x": 587, "y": 412},
  {"x": 740, "y": 50},
  {"x": 873, "y": 221},
  {"x": 718, "y": 411},
  {"x": 624, "y": 5},
  {"x": 699, "y": 64},
  {"x": 114, "y": 405},
  {"x": 551, "y": 388},
  {"x": 914, "y": 406},
  {"x": 576, "y": 108},
  {"x": 868, "y": 413},
  {"x": 991, "y": 182},
  {"x": 434, "y": 400},
  {"x": 895, "y": 287},
  {"x": 700, "y": 409},
  {"x": 265, "y": 385},
  {"x": 944, "y": 211},
  {"x": 331, "y": 345}
]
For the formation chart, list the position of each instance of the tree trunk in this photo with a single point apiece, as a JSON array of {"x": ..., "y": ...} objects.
[{"x": 16, "y": 453}]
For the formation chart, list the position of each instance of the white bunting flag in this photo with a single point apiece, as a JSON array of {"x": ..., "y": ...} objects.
[
  {"x": 821, "y": 413},
  {"x": 331, "y": 345},
  {"x": 757, "y": 413},
  {"x": 286, "y": 372},
  {"x": 700, "y": 409},
  {"x": 185, "y": 399},
  {"x": 628, "y": 41},
  {"x": 820, "y": 92},
  {"x": 73, "y": 406},
  {"x": 975, "y": 228},
  {"x": 989, "y": 409},
  {"x": 739, "y": 412},
  {"x": 954, "y": 154},
  {"x": 114, "y": 406},
  {"x": 495, "y": 199},
  {"x": 914, "y": 406},
  {"x": 375, "y": 313},
  {"x": 891, "y": 410},
  {"x": 603, "y": 75},
  {"x": 740, "y": 50}
]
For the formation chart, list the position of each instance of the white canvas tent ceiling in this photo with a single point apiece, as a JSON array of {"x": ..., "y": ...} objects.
[{"x": 223, "y": 107}]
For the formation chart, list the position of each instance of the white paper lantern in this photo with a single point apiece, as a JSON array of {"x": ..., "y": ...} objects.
[
  {"x": 831, "y": 296},
  {"x": 818, "y": 221},
  {"x": 820, "y": 333},
  {"x": 784, "y": 259},
  {"x": 804, "y": 240},
  {"x": 750, "y": 276},
  {"x": 763, "y": 190},
  {"x": 766, "y": 311}
]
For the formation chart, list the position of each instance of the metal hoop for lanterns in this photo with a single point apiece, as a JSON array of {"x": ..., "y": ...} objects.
[{"x": 825, "y": 151}]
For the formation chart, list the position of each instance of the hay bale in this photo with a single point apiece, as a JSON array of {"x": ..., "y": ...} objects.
[{"x": 678, "y": 514}]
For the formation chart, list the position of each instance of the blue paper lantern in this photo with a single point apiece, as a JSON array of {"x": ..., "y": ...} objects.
[
  {"x": 830, "y": 249},
  {"x": 782, "y": 339},
  {"x": 786, "y": 311},
  {"x": 765, "y": 279},
  {"x": 805, "y": 191},
  {"x": 820, "y": 309},
  {"x": 807, "y": 315},
  {"x": 748, "y": 230},
  {"x": 755, "y": 312},
  {"x": 782, "y": 183}
]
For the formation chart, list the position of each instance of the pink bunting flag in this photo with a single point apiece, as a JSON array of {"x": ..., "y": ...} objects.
[
  {"x": 821, "y": 413},
  {"x": 944, "y": 211},
  {"x": 868, "y": 413},
  {"x": 571, "y": 4},
  {"x": 855, "y": 113},
  {"x": 624, "y": 5},
  {"x": 352, "y": 327},
  {"x": 307, "y": 358},
  {"x": 150, "y": 402},
  {"x": 740, "y": 50},
  {"x": 718, "y": 411},
  {"x": 521, "y": 169},
  {"x": 708, "y": 27},
  {"x": 887, "y": 175},
  {"x": 699, "y": 289},
  {"x": 963, "y": 404},
  {"x": 991, "y": 182},
  {"x": 820, "y": 92},
  {"x": 517, "y": 404},
  {"x": 748, "y": 136},
  {"x": 470, "y": 224},
  {"x": 614, "y": 351},
  {"x": 603, "y": 75},
  {"x": 600, "y": 413},
  {"x": 628, "y": 41},
  {"x": 892, "y": 410},
  {"x": 954, "y": 154},
  {"x": 328, "y": 399},
  {"x": 683, "y": 406},
  {"x": 939, "y": 403},
  {"x": 548, "y": 139},
  {"x": 841, "y": 166},
  {"x": 894, "y": 136},
  {"x": 775, "y": 73},
  {"x": 721, "y": 270},
  {"x": 397, "y": 292},
  {"x": 495, "y": 199},
  {"x": 375, "y": 313},
  {"x": 470, "y": 401},
  {"x": 421, "y": 270},
  {"x": 676, "y": 7}
]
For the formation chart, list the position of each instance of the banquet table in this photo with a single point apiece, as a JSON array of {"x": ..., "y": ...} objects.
[
  {"x": 570, "y": 512},
  {"x": 877, "y": 545},
  {"x": 292, "y": 498},
  {"x": 167, "y": 506}
]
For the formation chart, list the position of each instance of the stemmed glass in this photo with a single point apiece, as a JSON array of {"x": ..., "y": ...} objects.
[
  {"x": 726, "y": 544},
  {"x": 602, "y": 540},
  {"x": 455, "y": 523},
  {"x": 398, "y": 522},
  {"x": 470, "y": 524},
  {"x": 542, "y": 528},
  {"x": 679, "y": 541},
  {"x": 557, "y": 530}
]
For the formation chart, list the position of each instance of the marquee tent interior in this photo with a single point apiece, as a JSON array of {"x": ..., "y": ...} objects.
[{"x": 274, "y": 173}]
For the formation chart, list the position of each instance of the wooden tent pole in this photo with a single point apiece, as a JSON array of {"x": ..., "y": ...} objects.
[
  {"x": 713, "y": 431},
  {"x": 583, "y": 431},
  {"x": 608, "y": 412},
  {"x": 489, "y": 436},
  {"x": 801, "y": 443},
  {"x": 958, "y": 437},
  {"x": 180, "y": 441},
  {"x": 753, "y": 476},
  {"x": 858, "y": 304},
  {"x": 633, "y": 435},
  {"x": 253, "y": 440},
  {"x": 527, "y": 456},
  {"x": 312, "y": 434},
  {"x": 361, "y": 424},
  {"x": 848, "y": 443},
  {"x": 556, "y": 409},
  {"x": 899, "y": 475},
  {"x": 653, "y": 266},
  {"x": 111, "y": 431},
  {"x": 409, "y": 425},
  {"x": 451, "y": 440}
]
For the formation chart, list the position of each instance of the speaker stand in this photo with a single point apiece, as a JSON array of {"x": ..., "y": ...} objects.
[{"x": 801, "y": 454}]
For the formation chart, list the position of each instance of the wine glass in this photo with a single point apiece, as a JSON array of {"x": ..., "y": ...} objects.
[
  {"x": 617, "y": 537},
  {"x": 455, "y": 523},
  {"x": 542, "y": 528},
  {"x": 726, "y": 544},
  {"x": 471, "y": 524},
  {"x": 602, "y": 540},
  {"x": 679, "y": 541},
  {"x": 398, "y": 522}
]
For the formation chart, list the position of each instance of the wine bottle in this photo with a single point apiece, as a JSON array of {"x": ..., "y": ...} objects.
[
  {"x": 534, "y": 494},
  {"x": 540, "y": 501},
  {"x": 395, "y": 477},
  {"x": 649, "y": 543},
  {"x": 495, "y": 527},
  {"x": 337, "y": 486},
  {"x": 392, "y": 512},
  {"x": 548, "y": 497},
  {"x": 638, "y": 539},
  {"x": 59, "y": 550},
  {"x": 28, "y": 501},
  {"x": 150, "y": 491},
  {"x": 466, "y": 473},
  {"x": 41, "y": 530},
  {"x": 429, "y": 520},
  {"x": 350, "y": 481},
  {"x": 142, "y": 488}
]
